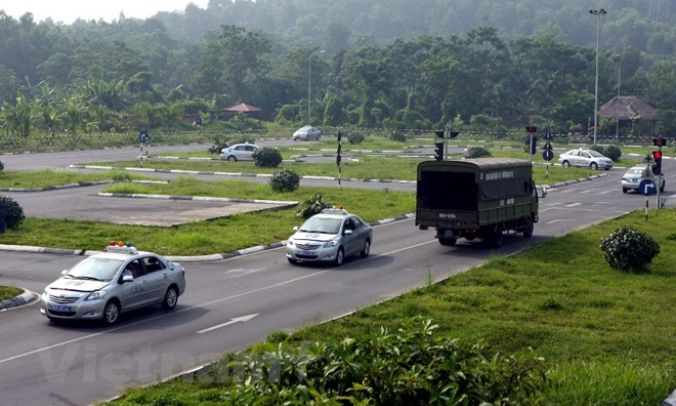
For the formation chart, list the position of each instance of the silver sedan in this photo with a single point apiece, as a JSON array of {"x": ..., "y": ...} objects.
[
  {"x": 330, "y": 236},
  {"x": 586, "y": 158},
  {"x": 105, "y": 285}
]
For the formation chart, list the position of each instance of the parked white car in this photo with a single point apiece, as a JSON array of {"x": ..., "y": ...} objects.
[
  {"x": 307, "y": 133},
  {"x": 239, "y": 152}
]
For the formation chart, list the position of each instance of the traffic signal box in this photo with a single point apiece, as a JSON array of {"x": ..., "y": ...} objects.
[{"x": 657, "y": 166}]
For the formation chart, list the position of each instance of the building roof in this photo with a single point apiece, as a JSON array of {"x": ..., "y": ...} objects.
[
  {"x": 242, "y": 107},
  {"x": 628, "y": 108}
]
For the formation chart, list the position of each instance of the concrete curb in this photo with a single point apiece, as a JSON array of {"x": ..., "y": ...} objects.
[
  {"x": 26, "y": 297},
  {"x": 237, "y": 174}
]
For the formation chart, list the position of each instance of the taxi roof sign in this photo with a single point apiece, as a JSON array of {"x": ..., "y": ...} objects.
[
  {"x": 335, "y": 211},
  {"x": 121, "y": 250}
]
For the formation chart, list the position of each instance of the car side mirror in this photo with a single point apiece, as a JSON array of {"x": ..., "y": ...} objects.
[
  {"x": 65, "y": 271},
  {"x": 544, "y": 192},
  {"x": 348, "y": 232},
  {"x": 295, "y": 228},
  {"x": 127, "y": 278}
]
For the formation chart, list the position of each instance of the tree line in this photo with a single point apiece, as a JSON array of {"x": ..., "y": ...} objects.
[{"x": 96, "y": 76}]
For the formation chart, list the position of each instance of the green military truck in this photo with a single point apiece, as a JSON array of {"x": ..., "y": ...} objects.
[{"x": 476, "y": 198}]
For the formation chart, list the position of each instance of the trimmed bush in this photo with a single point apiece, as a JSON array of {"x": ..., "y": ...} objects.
[
  {"x": 13, "y": 212},
  {"x": 285, "y": 180},
  {"x": 267, "y": 157},
  {"x": 477, "y": 152},
  {"x": 355, "y": 138},
  {"x": 2, "y": 166},
  {"x": 613, "y": 152},
  {"x": 599, "y": 148},
  {"x": 628, "y": 249}
]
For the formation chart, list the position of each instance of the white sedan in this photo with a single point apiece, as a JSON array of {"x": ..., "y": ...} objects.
[
  {"x": 307, "y": 133},
  {"x": 239, "y": 152},
  {"x": 585, "y": 158},
  {"x": 105, "y": 285}
]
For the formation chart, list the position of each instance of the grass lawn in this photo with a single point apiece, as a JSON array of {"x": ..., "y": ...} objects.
[
  {"x": 49, "y": 177},
  {"x": 207, "y": 237},
  {"x": 606, "y": 336},
  {"x": 8, "y": 292},
  {"x": 388, "y": 168}
]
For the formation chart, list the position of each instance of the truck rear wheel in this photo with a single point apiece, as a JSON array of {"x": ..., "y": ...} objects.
[
  {"x": 528, "y": 231},
  {"x": 448, "y": 241},
  {"x": 493, "y": 237}
]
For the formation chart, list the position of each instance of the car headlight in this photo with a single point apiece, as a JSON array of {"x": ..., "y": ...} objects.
[
  {"x": 289, "y": 243},
  {"x": 98, "y": 295},
  {"x": 331, "y": 243}
]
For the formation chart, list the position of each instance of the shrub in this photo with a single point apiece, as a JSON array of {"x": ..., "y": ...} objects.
[
  {"x": 285, "y": 180},
  {"x": 355, "y": 138},
  {"x": 599, "y": 148},
  {"x": 267, "y": 157},
  {"x": 13, "y": 212},
  {"x": 311, "y": 206},
  {"x": 2, "y": 166},
  {"x": 628, "y": 249},
  {"x": 613, "y": 152},
  {"x": 477, "y": 152},
  {"x": 398, "y": 136}
]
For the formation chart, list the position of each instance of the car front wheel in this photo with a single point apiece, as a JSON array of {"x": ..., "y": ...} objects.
[
  {"x": 594, "y": 166},
  {"x": 340, "y": 256},
  {"x": 170, "y": 298},
  {"x": 111, "y": 313}
]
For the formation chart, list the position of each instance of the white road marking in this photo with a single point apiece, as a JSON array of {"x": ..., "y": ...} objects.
[
  {"x": 242, "y": 319},
  {"x": 573, "y": 204},
  {"x": 237, "y": 272}
]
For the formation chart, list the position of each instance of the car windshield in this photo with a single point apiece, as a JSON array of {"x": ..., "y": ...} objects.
[
  {"x": 595, "y": 154},
  {"x": 99, "y": 269},
  {"x": 321, "y": 225}
]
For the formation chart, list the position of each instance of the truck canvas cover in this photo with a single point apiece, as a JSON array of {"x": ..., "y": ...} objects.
[{"x": 467, "y": 192}]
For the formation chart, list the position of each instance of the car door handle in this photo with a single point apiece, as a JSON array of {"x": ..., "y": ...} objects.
[{"x": 166, "y": 275}]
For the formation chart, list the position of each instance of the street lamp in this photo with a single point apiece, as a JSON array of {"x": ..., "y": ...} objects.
[
  {"x": 309, "y": 84},
  {"x": 598, "y": 13}
]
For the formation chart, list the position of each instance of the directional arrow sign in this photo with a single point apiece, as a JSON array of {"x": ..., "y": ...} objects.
[
  {"x": 647, "y": 187},
  {"x": 242, "y": 319}
]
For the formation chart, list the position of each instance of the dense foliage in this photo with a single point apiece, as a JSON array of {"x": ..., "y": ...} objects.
[
  {"x": 267, "y": 157},
  {"x": 311, "y": 206},
  {"x": 477, "y": 152},
  {"x": 12, "y": 211},
  {"x": 415, "y": 66},
  {"x": 284, "y": 181},
  {"x": 407, "y": 366},
  {"x": 628, "y": 249}
]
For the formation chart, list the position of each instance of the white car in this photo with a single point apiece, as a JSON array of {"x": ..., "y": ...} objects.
[
  {"x": 585, "y": 158},
  {"x": 634, "y": 175},
  {"x": 307, "y": 133},
  {"x": 103, "y": 286},
  {"x": 330, "y": 236},
  {"x": 239, "y": 152}
]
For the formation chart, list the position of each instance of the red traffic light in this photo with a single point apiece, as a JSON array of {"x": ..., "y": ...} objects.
[
  {"x": 657, "y": 155},
  {"x": 531, "y": 129}
]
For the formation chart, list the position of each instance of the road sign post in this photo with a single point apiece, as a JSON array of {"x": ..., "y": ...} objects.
[{"x": 647, "y": 188}]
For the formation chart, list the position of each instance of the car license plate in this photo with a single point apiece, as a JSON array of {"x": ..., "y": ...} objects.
[
  {"x": 60, "y": 308},
  {"x": 306, "y": 253}
]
